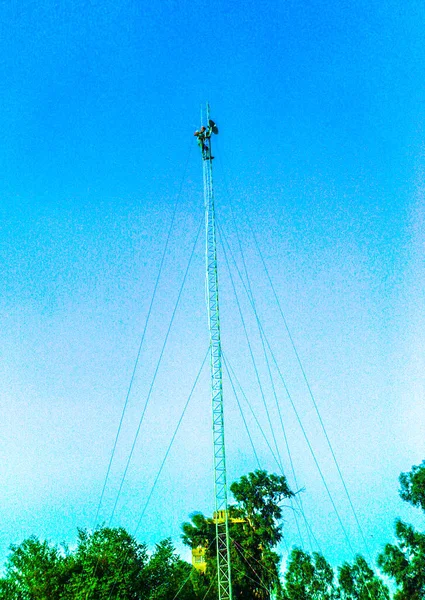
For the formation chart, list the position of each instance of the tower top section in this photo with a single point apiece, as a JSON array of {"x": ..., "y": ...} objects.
[{"x": 203, "y": 136}]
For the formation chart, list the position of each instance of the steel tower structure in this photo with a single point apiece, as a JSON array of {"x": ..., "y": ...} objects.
[{"x": 220, "y": 480}]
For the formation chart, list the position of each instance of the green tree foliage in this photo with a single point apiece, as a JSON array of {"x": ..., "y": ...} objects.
[
  {"x": 34, "y": 571},
  {"x": 258, "y": 496},
  {"x": 359, "y": 582},
  {"x": 167, "y": 575},
  {"x": 404, "y": 561},
  {"x": 254, "y": 529},
  {"x": 107, "y": 563},
  {"x": 201, "y": 532},
  {"x": 308, "y": 577},
  {"x": 413, "y": 486}
]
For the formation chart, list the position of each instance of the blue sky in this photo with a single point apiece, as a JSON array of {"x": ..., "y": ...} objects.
[{"x": 321, "y": 116}]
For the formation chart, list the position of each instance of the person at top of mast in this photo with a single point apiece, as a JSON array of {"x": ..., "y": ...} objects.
[{"x": 203, "y": 135}]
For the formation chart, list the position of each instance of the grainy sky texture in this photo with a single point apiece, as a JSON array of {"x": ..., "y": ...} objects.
[{"x": 320, "y": 155}]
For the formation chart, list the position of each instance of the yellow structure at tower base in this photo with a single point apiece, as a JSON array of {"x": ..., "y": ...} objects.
[
  {"x": 198, "y": 559},
  {"x": 198, "y": 554}
]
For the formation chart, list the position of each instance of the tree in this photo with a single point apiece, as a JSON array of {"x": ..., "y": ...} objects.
[
  {"x": 255, "y": 529},
  {"x": 34, "y": 571},
  {"x": 359, "y": 582},
  {"x": 201, "y": 533},
  {"x": 258, "y": 496},
  {"x": 308, "y": 577},
  {"x": 404, "y": 561},
  {"x": 413, "y": 486},
  {"x": 167, "y": 575},
  {"x": 108, "y": 563}
]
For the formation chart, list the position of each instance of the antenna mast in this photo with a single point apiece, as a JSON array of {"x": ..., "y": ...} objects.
[{"x": 220, "y": 481}]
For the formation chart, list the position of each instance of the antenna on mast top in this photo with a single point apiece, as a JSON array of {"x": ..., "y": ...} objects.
[{"x": 203, "y": 135}]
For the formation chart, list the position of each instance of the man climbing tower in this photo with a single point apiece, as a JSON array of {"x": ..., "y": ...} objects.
[{"x": 203, "y": 139}]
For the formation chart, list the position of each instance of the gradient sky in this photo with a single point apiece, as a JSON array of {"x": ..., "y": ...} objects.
[{"x": 321, "y": 115}]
